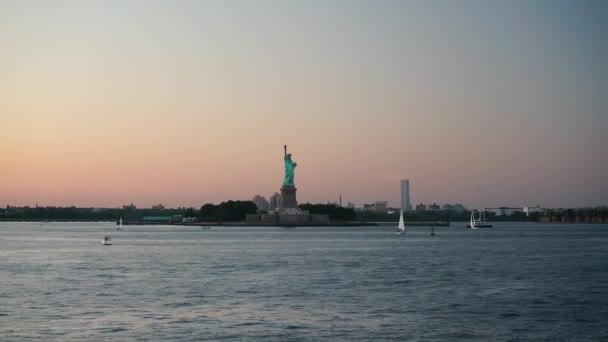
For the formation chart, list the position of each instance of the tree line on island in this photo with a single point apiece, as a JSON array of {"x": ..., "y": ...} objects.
[{"x": 228, "y": 211}]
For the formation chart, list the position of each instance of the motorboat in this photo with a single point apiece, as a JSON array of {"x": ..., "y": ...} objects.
[{"x": 107, "y": 240}]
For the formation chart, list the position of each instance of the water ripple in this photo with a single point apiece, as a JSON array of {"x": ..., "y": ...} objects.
[{"x": 511, "y": 283}]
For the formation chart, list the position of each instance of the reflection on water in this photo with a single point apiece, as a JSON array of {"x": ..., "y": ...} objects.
[{"x": 512, "y": 282}]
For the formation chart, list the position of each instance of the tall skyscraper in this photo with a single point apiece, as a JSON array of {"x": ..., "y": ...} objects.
[{"x": 405, "y": 195}]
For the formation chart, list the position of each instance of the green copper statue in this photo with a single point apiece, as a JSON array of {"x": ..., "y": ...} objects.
[{"x": 289, "y": 168}]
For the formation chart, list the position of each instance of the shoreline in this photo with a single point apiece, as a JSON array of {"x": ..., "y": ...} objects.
[{"x": 331, "y": 224}]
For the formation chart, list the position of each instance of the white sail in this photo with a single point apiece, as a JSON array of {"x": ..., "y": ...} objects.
[
  {"x": 472, "y": 224},
  {"x": 120, "y": 225},
  {"x": 401, "y": 229}
]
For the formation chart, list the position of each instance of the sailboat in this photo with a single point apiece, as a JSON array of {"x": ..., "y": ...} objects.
[
  {"x": 480, "y": 222},
  {"x": 119, "y": 224},
  {"x": 472, "y": 222},
  {"x": 401, "y": 227},
  {"x": 107, "y": 240}
]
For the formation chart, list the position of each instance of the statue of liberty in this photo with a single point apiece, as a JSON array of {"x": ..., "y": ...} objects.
[{"x": 289, "y": 168}]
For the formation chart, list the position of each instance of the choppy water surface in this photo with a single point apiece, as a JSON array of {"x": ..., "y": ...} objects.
[{"x": 514, "y": 282}]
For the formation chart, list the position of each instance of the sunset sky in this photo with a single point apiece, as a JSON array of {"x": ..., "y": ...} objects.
[{"x": 494, "y": 103}]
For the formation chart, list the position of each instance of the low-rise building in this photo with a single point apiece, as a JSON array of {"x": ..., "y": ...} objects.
[
  {"x": 378, "y": 206},
  {"x": 504, "y": 211},
  {"x": 532, "y": 210}
]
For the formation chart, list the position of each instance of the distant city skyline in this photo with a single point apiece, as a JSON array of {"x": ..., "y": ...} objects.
[{"x": 497, "y": 103}]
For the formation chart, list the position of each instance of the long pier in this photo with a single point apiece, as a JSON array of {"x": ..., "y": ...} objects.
[
  {"x": 414, "y": 224},
  {"x": 245, "y": 224},
  {"x": 331, "y": 224}
]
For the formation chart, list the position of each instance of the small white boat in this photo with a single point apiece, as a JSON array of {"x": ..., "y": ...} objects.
[
  {"x": 119, "y": 224},
  {"x": 107, "y": 240},
  {"x": 401, "y": 227}
]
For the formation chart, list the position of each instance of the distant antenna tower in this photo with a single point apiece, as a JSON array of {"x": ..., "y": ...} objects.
[{"x": 340, "y": 200}]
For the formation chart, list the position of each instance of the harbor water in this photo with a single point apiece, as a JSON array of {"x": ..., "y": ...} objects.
[{"x": 513, "y": 282}]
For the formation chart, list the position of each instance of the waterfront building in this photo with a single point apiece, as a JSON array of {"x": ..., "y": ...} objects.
[
  {"x": 503, "y": 211},
  {"x": 508, "y": 211},
  {"x": 421, "y": 207},
  {"x": 405, "y": 195},
  {"x": 529, "y": 210}
]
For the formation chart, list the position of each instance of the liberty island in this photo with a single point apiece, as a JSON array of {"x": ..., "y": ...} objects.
[{"x": 288, "y": 213}]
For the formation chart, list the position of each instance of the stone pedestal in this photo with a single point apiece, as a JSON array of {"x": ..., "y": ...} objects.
[{"x": 288, "y": 197}]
